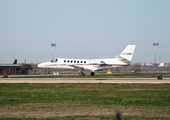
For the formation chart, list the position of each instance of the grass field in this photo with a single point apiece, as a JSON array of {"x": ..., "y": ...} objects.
[{"x": 83, "y": 101}]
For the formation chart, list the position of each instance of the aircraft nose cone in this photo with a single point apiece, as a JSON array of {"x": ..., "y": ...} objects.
[
  {"x": 39, "y": 65},
  {"x": 43, "y": 65}
]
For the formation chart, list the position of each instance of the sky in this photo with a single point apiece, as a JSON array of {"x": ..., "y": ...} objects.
[{"x": 83, "y": 29}]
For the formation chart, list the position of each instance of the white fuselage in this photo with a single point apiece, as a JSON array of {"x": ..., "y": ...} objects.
[{"x": 86, "y": 64}]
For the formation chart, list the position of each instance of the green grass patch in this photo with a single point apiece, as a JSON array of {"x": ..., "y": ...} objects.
[{"x": 84, "y": 101}]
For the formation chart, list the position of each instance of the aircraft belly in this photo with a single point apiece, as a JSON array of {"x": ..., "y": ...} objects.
[
  {"x": 64, "y": 67},
  {"x": 59, "y": 67}
]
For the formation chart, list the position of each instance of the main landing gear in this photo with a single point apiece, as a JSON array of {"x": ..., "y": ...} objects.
[
  {"x": 83, "y": 74},
  {"x": 92, "y": 73}
]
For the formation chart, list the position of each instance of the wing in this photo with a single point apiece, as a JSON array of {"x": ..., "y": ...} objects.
[{"x": 85, "y": 67}]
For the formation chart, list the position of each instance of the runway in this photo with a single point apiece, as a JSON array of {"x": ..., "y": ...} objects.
[{"x": 84, "y": 80}]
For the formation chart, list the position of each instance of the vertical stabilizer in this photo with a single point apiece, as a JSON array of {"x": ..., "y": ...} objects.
[
  {"x": 128, "y": 52},
  {"x": 15, "y": 61}
]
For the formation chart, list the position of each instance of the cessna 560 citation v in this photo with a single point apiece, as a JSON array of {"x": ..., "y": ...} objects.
[{"x": 124, "y": 59}]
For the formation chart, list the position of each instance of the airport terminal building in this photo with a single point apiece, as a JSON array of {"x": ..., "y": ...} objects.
[{"x": 10, "y": 69}]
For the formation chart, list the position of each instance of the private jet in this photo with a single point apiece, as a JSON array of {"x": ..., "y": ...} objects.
[{"x": 124, "y": 59}]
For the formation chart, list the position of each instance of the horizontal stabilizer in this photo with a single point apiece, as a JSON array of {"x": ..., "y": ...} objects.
[{"x": 121, "y": 58}]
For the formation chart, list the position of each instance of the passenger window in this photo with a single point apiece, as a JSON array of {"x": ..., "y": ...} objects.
[
  {"x": 71, "y": 61},
  {"x": 84, "y": 61},
  {"x": 64, "y": 60},
  {"x": 68, "y": 61},
  {"x": 77, "y": 61},
  {"x": 81, "y": 61}
]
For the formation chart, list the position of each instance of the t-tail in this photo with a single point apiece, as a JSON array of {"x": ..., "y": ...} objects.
[{"x": 127, "y": 54}]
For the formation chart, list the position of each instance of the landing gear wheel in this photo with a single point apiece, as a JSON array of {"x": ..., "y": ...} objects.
[
  {"x": 82, "y": 74},
  {"x": 92, "y": 73}
]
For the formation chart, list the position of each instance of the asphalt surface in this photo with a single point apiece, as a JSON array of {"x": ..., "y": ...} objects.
[{"x": 84, "y": 80}]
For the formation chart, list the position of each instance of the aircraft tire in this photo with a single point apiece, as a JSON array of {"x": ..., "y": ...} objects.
[
  {"x": 92, "y": 73},
  {"x": 82, "y": 74}
]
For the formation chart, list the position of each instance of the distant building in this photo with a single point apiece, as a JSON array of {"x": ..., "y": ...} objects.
[
  {"x": 10, "y": 69},
  {"x": 161, "y": 64}
]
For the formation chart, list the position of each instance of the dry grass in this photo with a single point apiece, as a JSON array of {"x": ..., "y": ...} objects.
[{"x": 46, "y": 110}]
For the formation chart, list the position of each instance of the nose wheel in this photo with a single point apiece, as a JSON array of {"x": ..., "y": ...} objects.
[{"x": 82, "y": 74}]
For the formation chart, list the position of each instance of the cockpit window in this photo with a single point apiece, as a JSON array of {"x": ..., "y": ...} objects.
[{"x": 54, "y": 60}]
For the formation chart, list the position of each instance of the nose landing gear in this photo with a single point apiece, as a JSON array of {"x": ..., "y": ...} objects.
[{"x": 82, "y": 74}]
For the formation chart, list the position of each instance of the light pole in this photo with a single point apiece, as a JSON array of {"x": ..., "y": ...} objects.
[
  {"x": 53, "y": 45},
  {"x": 155, "y": 44}
]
